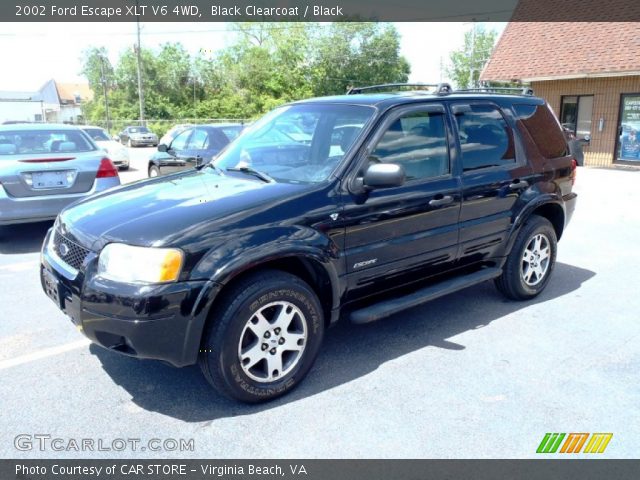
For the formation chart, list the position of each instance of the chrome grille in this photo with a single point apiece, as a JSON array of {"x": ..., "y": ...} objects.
[{"x": 69, "y": 252}]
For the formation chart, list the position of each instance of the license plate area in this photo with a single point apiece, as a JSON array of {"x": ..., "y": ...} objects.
[
  {"x": 52, "y": 287},
  {"x": 53, "y": 179}
]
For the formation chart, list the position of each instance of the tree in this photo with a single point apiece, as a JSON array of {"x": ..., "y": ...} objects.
[
  {"x": 266, "y": 65},
  {"x": 351, "y": 54},
  {"x": 468, "y": 62}
]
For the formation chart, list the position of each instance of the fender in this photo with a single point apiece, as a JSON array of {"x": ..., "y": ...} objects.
[
  {"x": 538, "y": 201},
  {"x": 235, "y": 256}
]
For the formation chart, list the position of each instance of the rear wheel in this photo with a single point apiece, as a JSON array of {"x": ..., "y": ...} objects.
[
  {"x": 154, "y": 171},
  {"x": 531, "y": 261},
  {"x": 263, "y": 337}
]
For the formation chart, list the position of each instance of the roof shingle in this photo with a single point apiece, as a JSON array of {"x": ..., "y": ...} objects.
[{"x": 545, "y": 50}]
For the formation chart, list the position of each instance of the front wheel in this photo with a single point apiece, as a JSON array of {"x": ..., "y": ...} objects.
[
  {"x": 531, "y": 261},
  {"x": 263, "y": 337},
  {"x": 154, "y": 171}
]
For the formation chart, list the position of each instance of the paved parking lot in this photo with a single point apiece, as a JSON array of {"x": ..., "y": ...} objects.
[{"x": 469, "y": 375}]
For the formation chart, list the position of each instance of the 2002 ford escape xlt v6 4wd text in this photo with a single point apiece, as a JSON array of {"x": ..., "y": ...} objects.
[{"x": 384, "y": 201}]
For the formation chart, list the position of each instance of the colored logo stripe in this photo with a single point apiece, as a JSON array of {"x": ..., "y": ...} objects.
[
  {"x": 550, "y": 443},
  {"x": 574, "y": 442},
  {"x": 598, "y": 442}
]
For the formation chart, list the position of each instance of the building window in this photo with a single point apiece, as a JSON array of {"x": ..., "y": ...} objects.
[
  {"x": 629, "y": 129},
  {"x": 575, "y": 114},
  {"x": 37, "y": 118}
]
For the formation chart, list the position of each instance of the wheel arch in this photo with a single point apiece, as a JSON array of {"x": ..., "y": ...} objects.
[{"x": 549, "y": 207}]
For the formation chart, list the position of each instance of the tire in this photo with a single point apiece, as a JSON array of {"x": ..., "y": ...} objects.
[
  {"x": 129, "y": 143},
  {"x": 524, "y": 277},
  {"x": 154, "y": 171},
  {"x": 234, "y": 331}
]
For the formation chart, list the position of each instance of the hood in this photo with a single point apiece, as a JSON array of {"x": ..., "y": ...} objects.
[
  {"x": 162, "y": 211},
  {"x": 141, "y": 134}
]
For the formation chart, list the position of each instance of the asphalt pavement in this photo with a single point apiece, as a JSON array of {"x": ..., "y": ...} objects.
[{"x": 470, "y": 375}]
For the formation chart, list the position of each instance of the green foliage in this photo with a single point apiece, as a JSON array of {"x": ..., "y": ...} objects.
[
  {"x": 468, "y": 62},
  {"x": 265, "y": 66}
]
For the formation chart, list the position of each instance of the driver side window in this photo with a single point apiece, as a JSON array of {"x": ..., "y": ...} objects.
[
  {"x": 180, "y": 142},
  {"x": 417, "y": 141}
]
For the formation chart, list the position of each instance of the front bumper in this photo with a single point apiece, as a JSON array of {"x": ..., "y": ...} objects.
[
  {"x": 144, "y": 141},
  {"x": 162, "y": 322}
]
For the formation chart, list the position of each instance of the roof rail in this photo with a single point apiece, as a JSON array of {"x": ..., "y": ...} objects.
[
  {"x": 506, "y": 90},
  {"x": 439, "y": 88}
]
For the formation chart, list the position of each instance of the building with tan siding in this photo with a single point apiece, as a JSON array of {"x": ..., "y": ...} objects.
[{"x": 589, "y": 73}]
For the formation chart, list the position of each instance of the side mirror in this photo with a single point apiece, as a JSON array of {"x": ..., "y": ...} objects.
[
  {"x": 384, "y": 175},
  {"x": 163, "y": 147}
]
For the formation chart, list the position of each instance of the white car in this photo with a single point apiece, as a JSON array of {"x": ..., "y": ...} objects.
[{"x": 118, "y": 153}]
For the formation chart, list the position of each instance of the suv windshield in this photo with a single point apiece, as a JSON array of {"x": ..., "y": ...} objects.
[
  {"x": 42, "y": 141},
  {"x": 297, "y": 143}
]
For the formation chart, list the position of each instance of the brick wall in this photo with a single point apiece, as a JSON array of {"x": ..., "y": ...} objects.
[{"x": 606, "y": 104}]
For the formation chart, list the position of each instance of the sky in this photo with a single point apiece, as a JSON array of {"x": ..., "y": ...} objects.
[{"x": 33, "y": 53}]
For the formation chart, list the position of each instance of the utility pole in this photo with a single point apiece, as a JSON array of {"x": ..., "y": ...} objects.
[
  {"x": 138, "y": 53},
  {"x": 472, "y": 80},
  {"x": 104, "y": 89}
]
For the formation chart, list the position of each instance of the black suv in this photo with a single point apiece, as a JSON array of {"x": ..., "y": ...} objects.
[{"x": 383, "y": 202}]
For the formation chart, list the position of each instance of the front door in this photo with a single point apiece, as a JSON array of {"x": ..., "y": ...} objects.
[{"x": 395, "y": 235}]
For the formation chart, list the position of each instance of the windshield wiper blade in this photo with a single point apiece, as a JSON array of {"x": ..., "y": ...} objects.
[
  {"x": 252, "y": 171},
  {"x": 217, "y": 169}
]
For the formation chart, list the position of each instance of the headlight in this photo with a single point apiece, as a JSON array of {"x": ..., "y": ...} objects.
[{"x": 125, "y": 263}]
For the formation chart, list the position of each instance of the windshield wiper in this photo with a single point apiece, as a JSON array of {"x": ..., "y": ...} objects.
[
  {"x": 252, "y": 171},
  {"x": 210, "y": 164}
]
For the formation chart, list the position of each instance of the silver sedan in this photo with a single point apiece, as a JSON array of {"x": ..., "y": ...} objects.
[{"x": 44, "y": 168}]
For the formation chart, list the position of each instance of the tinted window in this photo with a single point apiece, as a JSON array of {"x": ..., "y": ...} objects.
[
  {"x": 543, "y": 127},
  {"x": 180, "y": 142},
  {"x": 43, "y": 141},
  {"x": 485, "y": 138},
  {"x": 198, "y": 140},
  {"x": 231, "y": 132},
  {"x": 416, "y": 141}
]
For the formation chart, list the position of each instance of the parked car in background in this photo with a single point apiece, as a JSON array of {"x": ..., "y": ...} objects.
[
  {"x": 118, "y": 154},
  {"x": 138, "y": 136},
  {"x": 193, "y": 146},
  {"x": 44, "y": 168}
]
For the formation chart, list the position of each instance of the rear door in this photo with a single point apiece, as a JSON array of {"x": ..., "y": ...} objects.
[
  {"x": 394, "y": 235},
  {"x": 494, "y": 174},
  {"x": 40, "y": 162}
]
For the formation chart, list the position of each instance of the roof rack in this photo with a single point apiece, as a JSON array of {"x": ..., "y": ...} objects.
[
  {"x": 439, "y": 88},
  {"x": 506, "y": 90}
]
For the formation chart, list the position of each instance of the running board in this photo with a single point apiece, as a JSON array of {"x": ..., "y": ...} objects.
[{"x": 389, "y": 307}]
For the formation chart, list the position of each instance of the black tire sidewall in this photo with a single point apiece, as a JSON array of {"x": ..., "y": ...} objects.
[
  {"x": 536, "y": 227},
  {"x": 240, "y": 385}
]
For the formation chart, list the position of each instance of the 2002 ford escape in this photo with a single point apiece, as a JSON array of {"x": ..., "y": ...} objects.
[{"x": 380, "y": 202}]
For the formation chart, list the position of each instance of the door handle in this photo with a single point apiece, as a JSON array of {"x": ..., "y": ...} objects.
[
  {"x": 518, "y": 185},
  {"x": 438, "y": 202}
]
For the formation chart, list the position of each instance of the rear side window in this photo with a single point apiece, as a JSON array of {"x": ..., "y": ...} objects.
[
  {"x": 28, "y": 142},
  {"x": 486, "y": 140},
  {"x": 543, "y": 128}
]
